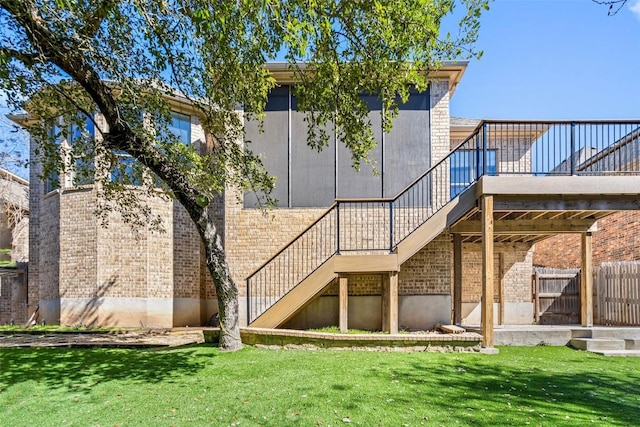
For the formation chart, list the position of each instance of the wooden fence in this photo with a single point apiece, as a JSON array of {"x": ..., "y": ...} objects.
[
  {"x": 617, "y": 294},
  {"x": 556, "y": 295}
]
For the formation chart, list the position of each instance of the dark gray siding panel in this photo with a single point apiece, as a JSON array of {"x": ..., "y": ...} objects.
[
  {"x": 306, "y": 178},
  {"x": 407, "y": 146},
  {"x": 272, "y": 144},
  {"x": 363, "y": 183},
  {"x": 312, "y": 173}
]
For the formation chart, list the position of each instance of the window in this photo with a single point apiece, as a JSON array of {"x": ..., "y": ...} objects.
[
  {"x": 52, "y": 181},
  {"x": 463, "y": 168},
  {"x": 180, "y": 126},
  {"x": 127, "y": 171},
  {"x": 83, "y": 167}
]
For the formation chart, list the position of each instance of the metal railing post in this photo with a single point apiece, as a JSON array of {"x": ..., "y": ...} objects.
[
  {"x": 338, "y": 228},
  {"x": 477, "y": 159},
  {"x": 573, "y": 149},
  {"x": 391, "y": 226},
  {"x": 484, "y": 149},
  {"x": 248, "y": 303}
]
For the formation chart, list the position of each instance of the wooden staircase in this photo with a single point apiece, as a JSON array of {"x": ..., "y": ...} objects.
[{"x": 314, "y": 284}]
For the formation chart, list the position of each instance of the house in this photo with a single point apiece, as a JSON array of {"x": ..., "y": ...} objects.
[
  {"x": 14, "y": 216},
  {"x": 444, "y": 232},
  {"x": 14, "y": 243}
]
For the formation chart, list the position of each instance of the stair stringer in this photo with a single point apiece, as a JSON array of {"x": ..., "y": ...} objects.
[
  {"x": 311, "y": 287},
  {"x": 297, "y": 298}
]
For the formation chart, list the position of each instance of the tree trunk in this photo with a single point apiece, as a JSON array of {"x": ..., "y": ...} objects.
[{"x": 226, "y": 289}]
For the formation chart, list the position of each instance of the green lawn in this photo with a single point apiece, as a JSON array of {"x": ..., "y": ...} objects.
[{"x": 194, "y": 386}]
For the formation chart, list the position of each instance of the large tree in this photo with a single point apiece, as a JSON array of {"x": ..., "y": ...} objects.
[{"x": 127, "y": 60}]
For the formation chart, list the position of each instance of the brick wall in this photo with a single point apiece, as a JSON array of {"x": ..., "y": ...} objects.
[
  {"x": 75, "y": 258},
  {"x": 516, "y": 271},
  {"x": 440, "y": 123},
  {"x": 617, "y": 239},
  {"x": 13, "y": 298},
  {"x": 20, "y": 241},
  {"x": 49, "y": 248},
  {"x": 187, "y": 255},
  {"x": 253, "y": 236},
  {"x": 429, "y": 271}
]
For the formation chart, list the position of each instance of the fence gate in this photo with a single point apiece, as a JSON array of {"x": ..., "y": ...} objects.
[
  {"x": 556, "y": 295},
  {"x": 617, "y": 294}
]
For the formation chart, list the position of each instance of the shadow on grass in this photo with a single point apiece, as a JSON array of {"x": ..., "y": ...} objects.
[
  {"x": 80, "y": 369},
  {"x": 581, "y": 394}
]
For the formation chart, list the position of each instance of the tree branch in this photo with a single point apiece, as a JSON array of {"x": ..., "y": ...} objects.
[
  {"x": 92, "y": 23},
  {"x": 28, "y": 59},
  {"x": 614, "y": 5}
]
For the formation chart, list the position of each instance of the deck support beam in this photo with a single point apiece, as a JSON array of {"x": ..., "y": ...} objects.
[
  {"x": 486, "y": 313},
  {"x": 344, "y": 303},
  {"x": 457, "y": 279},
  {"x": 586, "y": 282},
  {"x": 390, "y": 302}
]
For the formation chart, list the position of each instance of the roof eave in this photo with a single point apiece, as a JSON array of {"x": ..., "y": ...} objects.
[{"x": 452, "y": 71}]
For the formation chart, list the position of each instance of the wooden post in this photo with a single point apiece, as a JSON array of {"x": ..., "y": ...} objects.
[
  {"x": 390, "y": 302},
  {"x": 457, "y": 279},
  {"x": 344, "y": 303},
  {"x": 536, "y": 297},
  {"x": 486, "y": 313},
  {"x": 385, "y": 302},
  {"x": 501, "y": 288},
  {"x": 586, "y": 282}
]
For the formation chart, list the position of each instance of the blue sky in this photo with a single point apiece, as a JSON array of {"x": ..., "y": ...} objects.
[{"x": 554, "y": 59}]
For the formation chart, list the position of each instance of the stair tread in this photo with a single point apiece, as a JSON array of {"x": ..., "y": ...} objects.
[{"x": 598, "y": 344}]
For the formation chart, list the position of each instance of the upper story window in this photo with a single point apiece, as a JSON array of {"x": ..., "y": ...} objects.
[
  {"x": 74, "y": 145},
  {"x": 52, "y": 181},
  {"x": 464, "y": 166},
  {"x": 128, "y": 171},
  {"x": 180, "y": 126},
  {"x": 83, "y": 164}
]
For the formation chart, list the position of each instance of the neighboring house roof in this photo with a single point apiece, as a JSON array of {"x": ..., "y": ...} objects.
[
  {"x": 582, "y": 156},
  {"x": 463, "y": 122},
  {"x": 14, "y": 190},
  {"x": 624, "y": 152},
  {"x": 461, "y": 128}
]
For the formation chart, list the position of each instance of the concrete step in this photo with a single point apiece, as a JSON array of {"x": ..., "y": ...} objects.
[
  {"x": 528, "y": 336},
  {"x": 606, "y": 332},
  {"x": 632, "y": 344},
  {"x": 619, "y": 353},
  {"x": 597, "y": 344}
]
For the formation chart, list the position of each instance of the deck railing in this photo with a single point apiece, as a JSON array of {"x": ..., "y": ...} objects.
[{"x": 494, "y": 148}]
